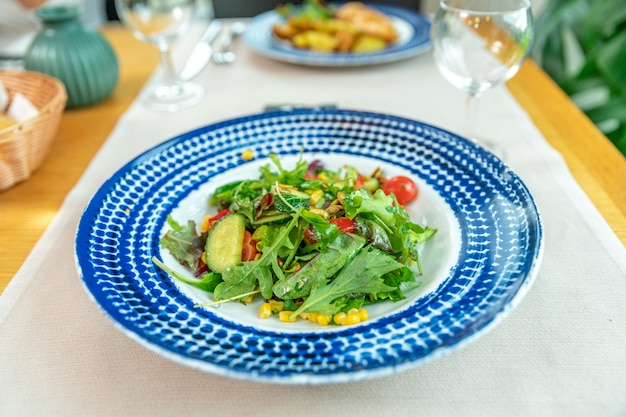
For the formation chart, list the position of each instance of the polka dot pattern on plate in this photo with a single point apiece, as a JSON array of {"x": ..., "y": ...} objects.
[{"x": 501, "y": 243}]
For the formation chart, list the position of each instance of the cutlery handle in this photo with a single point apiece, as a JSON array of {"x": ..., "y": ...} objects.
[
  {"x": 233, "y": 32},
  {"x": 212, "y": 31}
]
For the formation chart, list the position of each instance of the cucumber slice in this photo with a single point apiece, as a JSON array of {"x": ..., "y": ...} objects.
[
  {"x": 225, "y": 242},
  {"x": 272, "y": 219}
]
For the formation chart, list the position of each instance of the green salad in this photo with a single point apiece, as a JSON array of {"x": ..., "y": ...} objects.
[{"x": 314, "y": 243}]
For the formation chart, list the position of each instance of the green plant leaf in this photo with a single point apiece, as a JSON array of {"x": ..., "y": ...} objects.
[
  {"x": 611, "y": 60},
  {"x": 549, "y": 26},
  {"x": 602, "y": 20},
  {"x": 598, "y": 29},
  {"x": 615, "y": 108}
]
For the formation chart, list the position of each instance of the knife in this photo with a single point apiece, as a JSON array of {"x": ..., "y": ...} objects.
[{"x": 201, "y": 53}]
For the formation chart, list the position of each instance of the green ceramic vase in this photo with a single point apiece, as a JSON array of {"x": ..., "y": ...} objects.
[{"x": 80, "y": 57}]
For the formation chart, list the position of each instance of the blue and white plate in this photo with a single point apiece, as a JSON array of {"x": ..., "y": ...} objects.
[
  {"x": 413, "y": 39},
  {"x": 479, "y": 265}
]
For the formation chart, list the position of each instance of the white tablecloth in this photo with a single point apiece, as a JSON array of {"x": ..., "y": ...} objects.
[{"x": 561, "y": 352}]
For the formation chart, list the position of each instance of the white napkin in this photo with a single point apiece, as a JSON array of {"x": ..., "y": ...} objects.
[{"x": 560, "y": 353}]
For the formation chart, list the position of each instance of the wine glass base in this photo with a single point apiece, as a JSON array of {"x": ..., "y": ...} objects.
[
  {"x": 172, "y": 98},
  {"x": 491, "y": 146}
]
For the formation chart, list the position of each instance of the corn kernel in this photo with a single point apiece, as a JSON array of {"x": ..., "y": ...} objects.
[
  {"x": 247, "y": 155},
  {"x": 277, "y": 306},
  {"x": 205, "y": 223},
  {"x": 203, "y": 257},
  {"x": 284, "y": 316},
  {"x": 249, "y": 299},
  {"x": 304, "y": 316},
  {"x": 319, "y": 212},
  {"x": 351, "y": 319},
  {"x": 323, "y": 176},
  {"x": 265, "y": 310},
  {"x": 353, "y": 311},
  {"x": 338, "y": 318},
  {"x": 315, "y": 197},
  {"x": 323, "y": 319},
  {"x": 313, "y": 317},
  {"x": 363, "y": 314}
]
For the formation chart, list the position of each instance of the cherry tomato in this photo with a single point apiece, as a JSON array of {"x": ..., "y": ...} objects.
[
  {"x": 359, "y": 182},
  {"x": 345, "y": 224},
  {"x": 209, "y": 221},
  {"x": 310, "y": 235},
  {"x": 403, "y": 187}
]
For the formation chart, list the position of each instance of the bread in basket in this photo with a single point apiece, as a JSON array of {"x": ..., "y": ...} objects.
[{"x": 24, "y": 145}]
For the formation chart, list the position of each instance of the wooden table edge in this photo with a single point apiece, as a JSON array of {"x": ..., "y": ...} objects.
[{"x": 594, "y": 162}]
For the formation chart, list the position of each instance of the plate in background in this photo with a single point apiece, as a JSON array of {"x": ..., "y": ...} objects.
[{"x": 413, "y": 30}]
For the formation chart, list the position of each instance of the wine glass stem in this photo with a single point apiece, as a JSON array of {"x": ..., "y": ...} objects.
[
  {"x": 169, "y": 72},
  {"x": 471, "y": 116}
]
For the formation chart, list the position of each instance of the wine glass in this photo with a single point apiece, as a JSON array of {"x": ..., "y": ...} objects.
[
  {"x": 478, "y": 44},
  {"x": 162, "y": 22}
]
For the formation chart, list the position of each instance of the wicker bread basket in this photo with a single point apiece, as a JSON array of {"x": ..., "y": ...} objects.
[{"x": 23, "y": 146}]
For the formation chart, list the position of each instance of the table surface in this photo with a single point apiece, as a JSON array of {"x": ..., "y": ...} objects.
[{"x": 27, "y": 209}]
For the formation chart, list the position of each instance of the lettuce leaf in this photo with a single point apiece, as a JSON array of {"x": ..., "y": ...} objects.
[
  {"x": 183, "y": 242},
  {"x": 363, "y": 274},
  {"x": 319, "y": 269}
]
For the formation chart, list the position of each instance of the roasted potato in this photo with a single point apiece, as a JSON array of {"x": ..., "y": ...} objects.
[{"x": 353, "y": 27}]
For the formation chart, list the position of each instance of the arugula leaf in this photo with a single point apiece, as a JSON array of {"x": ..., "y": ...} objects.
[
  {"x": 226, "y": 194},
  {"x": 242, "y": 279},
  {"x": 207, "y": 282},
  {"x": 291, "y": 201},
  {"x": 414, "y": 234},
  {"x": 294, "y": 177},
  {"x": 363, "y": 274},
  {"x": 319, "y": 269},
  {"x": 350, "y": 301},
  {"x": 245, "y": 206},
  {"x": 375, "y": 234},
  {"x": 183, "y": 242}
]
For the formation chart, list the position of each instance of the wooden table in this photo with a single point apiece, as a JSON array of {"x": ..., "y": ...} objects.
[{"x": 27, "y": 208}]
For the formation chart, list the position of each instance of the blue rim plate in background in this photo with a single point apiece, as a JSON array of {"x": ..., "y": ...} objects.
[
  {"x": 412, "y": 27},
  {"x": 479, "y": 265}
]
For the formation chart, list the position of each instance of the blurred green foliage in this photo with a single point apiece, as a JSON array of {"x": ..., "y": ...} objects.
[{"x": 581, "y": 44}]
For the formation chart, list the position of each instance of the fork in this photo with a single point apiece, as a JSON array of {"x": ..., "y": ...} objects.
[{"x": 225, "y": 55}]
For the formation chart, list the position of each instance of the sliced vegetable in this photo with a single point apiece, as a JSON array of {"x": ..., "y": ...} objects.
[
  {"x": 345, "y": 224},
  {"x": 248, "y": 251},
  {"x": 209, "y": 221},
  {"x": 402, "y": 187},
  {"x": 272, "y": 218},
  {"x": 225, "y": 243}
]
